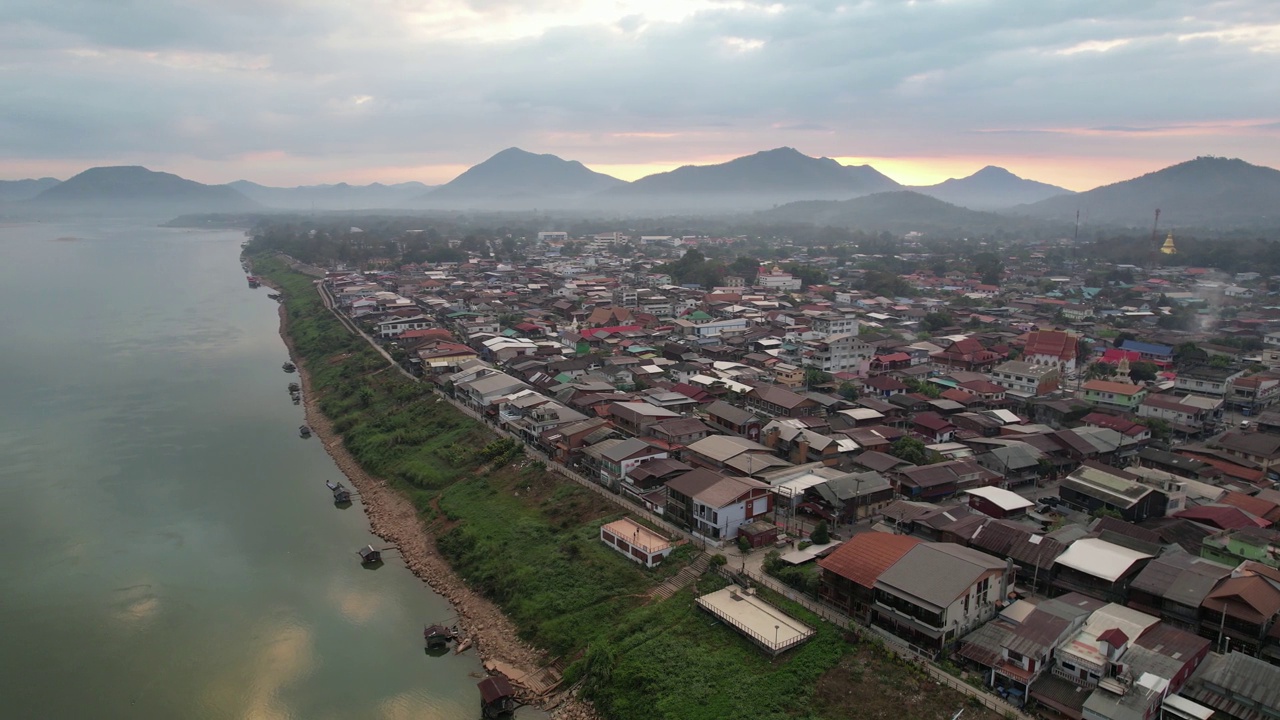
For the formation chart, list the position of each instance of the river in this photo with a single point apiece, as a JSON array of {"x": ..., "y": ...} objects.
[{"x": 169, "y": 549}]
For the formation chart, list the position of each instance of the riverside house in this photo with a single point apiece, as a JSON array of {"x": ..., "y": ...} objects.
[{"x": 714, "y": 506}]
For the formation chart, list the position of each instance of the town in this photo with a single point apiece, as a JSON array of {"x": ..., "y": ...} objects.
[{"x": 1051, "y": 469}]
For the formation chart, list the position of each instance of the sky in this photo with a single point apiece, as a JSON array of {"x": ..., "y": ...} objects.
[{"x": 289, "y": 92}]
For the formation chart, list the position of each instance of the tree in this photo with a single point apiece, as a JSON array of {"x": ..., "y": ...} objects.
[
  {"x": 1160, "y": 429},
  {"x": 989, "y": 266},
  {"x": 1188, "y": 353},
  {"x": 910, "y": 450},
  {"x": 813, "y": 377},
  {"x": 848, "y": 391},
  {"x": 1099, "y": 371},
  {"x": 935, "y": 321},
  {"x": 1121, "y": 338},
  {"x": 1106, "y": 512},
  {"x": 820, "y": 535},
  {"x": 1143, "y": 372},
  {"x": 1084, "y": 350},
  {"x": 1220, "y": 361}
]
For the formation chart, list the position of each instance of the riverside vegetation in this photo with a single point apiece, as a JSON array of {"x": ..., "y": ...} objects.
[{"x": 527, "y": 539}]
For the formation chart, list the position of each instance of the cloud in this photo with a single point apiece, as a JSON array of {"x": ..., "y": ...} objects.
[{"x": 324, "y": 90}]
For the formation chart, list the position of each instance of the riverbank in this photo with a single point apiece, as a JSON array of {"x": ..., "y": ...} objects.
[{"x": 394, "y": 518}]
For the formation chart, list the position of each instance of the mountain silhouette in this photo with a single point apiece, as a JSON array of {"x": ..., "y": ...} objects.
[
  {"x": 901, "y": 211},
  {"x": 991, "y": 188},
  {"x": 1207, "y": 192},
  {"x": 16, "y": 190},
  {"x": 136, "y": 190},
  {"x": 517, "y": 179},
  {"x": 754, "y": 181},
  {"x": 339, "y": 196}
]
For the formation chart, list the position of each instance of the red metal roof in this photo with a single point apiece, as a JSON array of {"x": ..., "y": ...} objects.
[{"x": 865, "y": 556}]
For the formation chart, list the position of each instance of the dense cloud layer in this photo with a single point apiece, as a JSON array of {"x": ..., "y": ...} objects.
[{"x": 318, "y": 90}]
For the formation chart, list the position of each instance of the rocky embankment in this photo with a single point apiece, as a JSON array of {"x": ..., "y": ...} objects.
[{"x": 393, "y": 518}]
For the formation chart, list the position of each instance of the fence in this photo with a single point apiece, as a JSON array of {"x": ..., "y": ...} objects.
[{"x": 897, "y": 645}]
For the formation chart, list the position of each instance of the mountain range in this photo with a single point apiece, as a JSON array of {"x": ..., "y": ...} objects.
[
  {"x": 134, "y": 190},
  {"x": 763, "y": 179},
  {"x": 781, "y": 184},
  {"x": 340, "y": 196}
]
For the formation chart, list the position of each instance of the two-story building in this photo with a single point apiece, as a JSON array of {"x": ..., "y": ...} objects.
[
  {"x": 1122, "y": 396},
  {"x": 1024, "y": 379},
  {"x": 1263, "y": 449},
  {"x": 1207, "y": 380},
  {"x": 713, "y": 506},
  {"x": 733, "y": 420},
  {"x": 1187, "y": 414},
  {"x": 777, "y": 401},
  {"x": 937, "y": 592},
  {"x": 1253, "y": 394}
]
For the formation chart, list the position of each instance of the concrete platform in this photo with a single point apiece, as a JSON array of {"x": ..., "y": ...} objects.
[{"x": 765, "y": 625}]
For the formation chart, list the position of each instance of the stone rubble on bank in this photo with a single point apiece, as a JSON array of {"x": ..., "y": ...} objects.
[{"x": 393, "y": 518}]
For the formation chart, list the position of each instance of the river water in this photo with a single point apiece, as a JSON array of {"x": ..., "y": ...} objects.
[{"x": 168, "y": 548}]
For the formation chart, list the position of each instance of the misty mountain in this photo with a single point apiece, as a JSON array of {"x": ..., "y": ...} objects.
[
  {"x": 333, "y": 197},
  {"x": 517, "y": 180},
  {"x": 1208, "y": 192},
  {"x": 751, "y": 182},
  {"x": 991, "y": 188},
  {"x": 16, "y": 190},
  {"x": 137, "y": 190},
  {"x": 901, "y": 211}
]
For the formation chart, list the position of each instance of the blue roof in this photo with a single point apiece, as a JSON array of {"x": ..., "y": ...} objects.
[{"x": 1146, "y": 348}]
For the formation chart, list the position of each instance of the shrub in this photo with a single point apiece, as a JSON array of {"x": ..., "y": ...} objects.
[
  {"x": 820, "y": 535},
  {"x": 744, "y": 544},
  {"x": 719, "y": 560}
]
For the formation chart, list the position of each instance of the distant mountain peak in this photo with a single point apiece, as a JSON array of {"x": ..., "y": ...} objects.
[
  {"x": 133, "y": 187},
  {"x": 515, "y": 175},
  {"x": 761, "y": 179},
  {"x": 1207, "y": 191},
  {"x": 991, "y": 188},
  {"x": 994, "y": 171}
]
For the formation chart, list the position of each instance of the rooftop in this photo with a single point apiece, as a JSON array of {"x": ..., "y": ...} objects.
[
  {"x": 1100, "y": 558},
  {"x": 765, "y": 625}
]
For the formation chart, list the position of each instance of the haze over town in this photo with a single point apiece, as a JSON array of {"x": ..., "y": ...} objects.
[{"x": 290, "y": 93}]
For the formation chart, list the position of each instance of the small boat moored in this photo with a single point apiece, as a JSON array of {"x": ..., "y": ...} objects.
[
  {"x": 369, "y": 556},
  {"x": 438, "y": 636},
  {"x": 288, "y": 367},
  {"x": 340, "y": 492},
  {"x": 497, "y": 697},
  {"x": 294, "y": 387},
  {"x": 304, "y": 431},
  {"x": 253, "y": 281}
]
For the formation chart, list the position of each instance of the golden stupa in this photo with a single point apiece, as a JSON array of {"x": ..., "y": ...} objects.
[{"x": 1168, "y": 248}]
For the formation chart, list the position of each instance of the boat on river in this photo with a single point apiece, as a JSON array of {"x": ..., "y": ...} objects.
[
  {"x": 294, "y": 387},
  {"x": 341, "y": 495},
  {"x": 288, "y": 367},
  {"x": 369, "y": 555},
  {"x": 253, "y": 281},
  {"x": 304, "y": 431}
]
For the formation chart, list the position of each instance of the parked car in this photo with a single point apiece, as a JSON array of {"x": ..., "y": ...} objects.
[{"x": 1049, "y": 501}]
